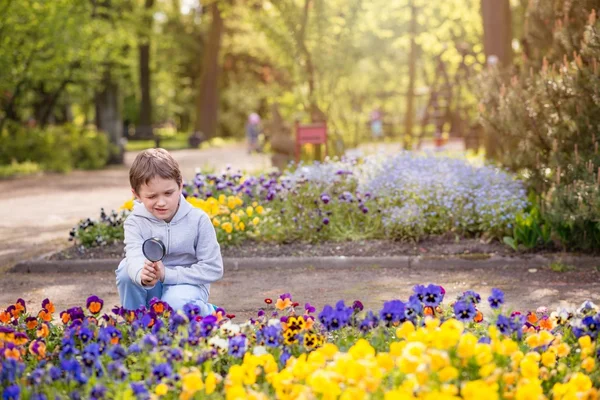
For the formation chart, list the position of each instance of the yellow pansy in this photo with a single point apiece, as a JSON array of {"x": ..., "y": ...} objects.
[
  {"x": 549, "y": 359},
  {"x": 529, "y": 368},
  {"x": 128, "y": 205},
  {"x": 236, "y": 393},
  {"x": 588, "y": 364},
  {"x": 227, "y": 227},
  {"x": 478, "y": 389},
  {"x": 255, "y": 221},
  {"x": 466, "y": 345},
  {"x": 161, "y": 389},
  {"x": 361, "y": 349},
  {"x": 192, "y": 382},
  {"x": 585, "y": 342},
  {"x": 259, "y": 209},
  {"x": 405, "y": 329},
  {"x": 562, "y": 350},
  {"x": 249, "y": 211},
  {"x": 211, "y": 382},
  {"x": 530, "y": 389},
  {"x": 448, "y": 373}
]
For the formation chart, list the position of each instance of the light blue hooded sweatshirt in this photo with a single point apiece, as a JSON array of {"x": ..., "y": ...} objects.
[{"x": 193, "y": 254}]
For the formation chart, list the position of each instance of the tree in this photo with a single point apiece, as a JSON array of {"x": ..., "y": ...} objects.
[
  {"x": 144, "y": 129},
  {"x": 207, "y": 109},
  {"x": 497, "y": 30}
]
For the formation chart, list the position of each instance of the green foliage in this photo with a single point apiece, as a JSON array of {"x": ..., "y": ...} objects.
[
  {"x": 18, "y": 169},
  {"x": 108, "y": 229},
  {"x": 559, "y": 266},
  {"x": 529, "y": 230},
  {"x": 547, "y": 120},
  {"x": 302, "y": 215},
  {"x": 57, "y": 148}
]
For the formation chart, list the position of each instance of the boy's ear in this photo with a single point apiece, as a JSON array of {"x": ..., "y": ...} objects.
[{"x": 135, "y": 194}]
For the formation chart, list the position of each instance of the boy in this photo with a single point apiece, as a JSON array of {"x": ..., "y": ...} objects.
[{"x": 193, "y": 258}]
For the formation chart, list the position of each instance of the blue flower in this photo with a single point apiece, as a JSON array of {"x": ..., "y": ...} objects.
[
  {"x": 35, "y": 377},
  {"x": 413, "y": 308},
  {"x": 117, "y": 352},
  {"x": 285, "y": 355},
  {"x": 208, "y": 325},
  {"x": 98, "y": 392},
  {"x": 134, "y": 349},
  {"x": 496, "y": 299},
  {"x": 117, "y": 370},
  {"x": 12, "y": 393},
  {"x": 370, "y": 322},
  {"x": 591, "y": 326},
  {"x": 140, "y": 391},
  {"x": 464, "y": 311},
  {"x": 503, "y": 324},
  {"x": 85, "y": 335},
  {"x": 150, "y": 341},
  {"x": 90, "y": 354},
  {"x": 163, "y": 370},
  {"x": 237, "y": 346},
  {"x": 393, "y": 311},
  {"x": 271, "y": 336},
  {"x": 432, "y": 295},
  {"x": 470, "y": 296},
  {"x": 192, "y": 310},
  {"x": 55, "y": 373}
]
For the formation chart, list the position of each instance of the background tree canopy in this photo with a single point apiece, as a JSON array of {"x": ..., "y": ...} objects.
[{"x": 206, "y": 66}]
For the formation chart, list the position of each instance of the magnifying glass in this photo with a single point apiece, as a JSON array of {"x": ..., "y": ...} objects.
[{"x": 154, "y": 249}]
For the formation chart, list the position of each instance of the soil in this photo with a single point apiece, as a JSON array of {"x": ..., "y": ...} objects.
[
  {"x": 242, "y": 291},
  {"x": 468, "y": 248}
]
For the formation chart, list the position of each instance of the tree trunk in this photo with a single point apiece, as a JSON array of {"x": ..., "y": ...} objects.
[
  {"x": 497, "y": 42},
  {"x": 144, "y": 130},
  {"x": 108, "y": 116},
  {"x": 207, "y": 103},
  {"x": 497, "y": 30},
  {"x": 412, "y": 76}
]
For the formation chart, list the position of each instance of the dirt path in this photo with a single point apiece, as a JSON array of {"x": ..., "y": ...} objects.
[
  {"x": 242, "y": 292},
  {"x": 37, "y": 212}
]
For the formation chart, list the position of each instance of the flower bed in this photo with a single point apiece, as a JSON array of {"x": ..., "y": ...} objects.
[
  {"x": 401, "y": 197},
  {"x": 420, "y": 348}
]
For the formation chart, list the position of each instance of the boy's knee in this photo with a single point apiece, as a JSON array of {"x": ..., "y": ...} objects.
[
  {"x": 122, "y": 275},
  {"x": 179, "y": 295}
]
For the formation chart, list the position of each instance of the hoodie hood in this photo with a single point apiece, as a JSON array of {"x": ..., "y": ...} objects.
[{"x": 184, "y": 209}]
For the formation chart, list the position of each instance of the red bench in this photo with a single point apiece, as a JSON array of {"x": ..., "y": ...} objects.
[{"x": 310, "y": 134}]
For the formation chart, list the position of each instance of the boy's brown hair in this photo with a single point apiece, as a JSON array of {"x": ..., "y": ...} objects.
[{"x": 151, "y": 163}]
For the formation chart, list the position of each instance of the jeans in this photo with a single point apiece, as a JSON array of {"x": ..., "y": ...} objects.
[{"x": 132, "y": 296}]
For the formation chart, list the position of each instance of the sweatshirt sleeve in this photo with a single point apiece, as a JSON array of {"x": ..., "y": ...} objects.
[
  {"x": 209, "y": 265},
  {"x": 133, "y": 252}
]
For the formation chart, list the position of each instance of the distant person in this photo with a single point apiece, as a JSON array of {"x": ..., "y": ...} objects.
[
  {"x": 193, "y": 255},
  {"x": 376, "y": 124},
  {"x": 253, "y": 129}
]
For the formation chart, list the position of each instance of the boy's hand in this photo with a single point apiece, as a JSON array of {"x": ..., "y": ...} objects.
[
  {"x": 149, "y": 276},
  {"x": 159, "y": 267}
]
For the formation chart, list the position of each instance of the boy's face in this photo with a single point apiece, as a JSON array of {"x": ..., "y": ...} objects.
[{"x": 160, "y": 197}]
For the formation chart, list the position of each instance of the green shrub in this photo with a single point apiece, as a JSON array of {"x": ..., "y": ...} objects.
[
  {"x": 544, "y": 123},
  {"x": 55, "y": 148},
  {"x": 18, "y": 169}
]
